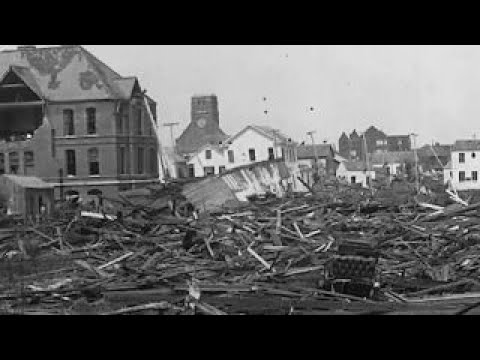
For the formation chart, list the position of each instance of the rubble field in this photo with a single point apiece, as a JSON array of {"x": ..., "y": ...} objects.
[{"x": 267, "y": 256}]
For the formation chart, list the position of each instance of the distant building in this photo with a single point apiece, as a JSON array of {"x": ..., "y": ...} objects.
[
  {"x": 394, "y": 163},
  {"x": 204, "y": 127},
  {"x": 325, "y": 154},
  {"x": 462, "y": 171},
  {"x": 355, "y": 172},
  {"x": 353, "y": 147},
  {"x": 434, "y": 157},
  {"x": 253, "y": 144},
  {"x": 398, "y": 143}
]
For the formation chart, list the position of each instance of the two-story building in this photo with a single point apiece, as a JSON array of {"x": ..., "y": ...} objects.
[
  {"x": 253, "y": 144},
  {"x": 464, "y": 167},
  {"x": 69, "y": 119}
]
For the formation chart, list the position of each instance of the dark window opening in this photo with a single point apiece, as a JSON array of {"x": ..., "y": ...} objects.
[
  {"x": 2, "y": 164},
  {"x": 68, "y": 123},
  {"x": 271, "y": 155},
  {"x": 231, "y": 156},
  {"x": 140, "y": 160},
  {"x": 474, "y": 175},
  {"x": 353, "y": 179},
  {"x": 122, "y": 161},
  {"x": 14, "y": 162},
  {"x": 28, "y": 162},
  {"x": 53, "y": 149},
  {"x": 208, "y": 154},
  {"x": 461, "y": 157},
  {"x": 461, "y": 176},
  {"x": 153, "y": 161},
  {"x": 251, "y": 154},
  {"x": 91, "y": 121},
  {"x": 139, "y": 121},
  {"x": 98, "y": 194},
  {"x": 93, "y": 162},
  {"x": 191, "y": 171},
  {"x": 221, "y": 169},
  {"x": 71, "y": 163},
  {"x": 474, "y": 155},
  {"x": 72, "y": 195},
  {"x": 209, "y": 170},
  {"x": 119, "y": 122}
]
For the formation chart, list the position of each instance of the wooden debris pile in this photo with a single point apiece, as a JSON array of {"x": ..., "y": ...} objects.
[{"x": 269, "y": 257}]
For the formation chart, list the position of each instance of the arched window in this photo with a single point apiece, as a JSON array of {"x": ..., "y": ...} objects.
[
  {"x": 68, "y": 125},
  {"x": 91, "y": 121},
  {"x": 93, "y": 162}
]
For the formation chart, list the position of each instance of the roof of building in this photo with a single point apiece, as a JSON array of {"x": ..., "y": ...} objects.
[
  {"x": 28, "y": 182},
  {"x": 194, "y": 137},
  {"x": 307, "y": 151},
  {"x": 267, "y": 131},
  {"x": 391, "y": 157},
  {"x": 355, "y": 165},
  {"x": 66, "y": 73},
  {"x": 448, "y": 166},
  {"x": 466, "y": 145},
  {"x": 440, "y": 150}
]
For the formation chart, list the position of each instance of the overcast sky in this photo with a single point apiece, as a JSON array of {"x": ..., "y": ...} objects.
[{"x": 430, "y": 90}]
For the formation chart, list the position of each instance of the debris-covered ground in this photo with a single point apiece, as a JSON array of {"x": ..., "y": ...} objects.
[{"x": 269, "y": 256}]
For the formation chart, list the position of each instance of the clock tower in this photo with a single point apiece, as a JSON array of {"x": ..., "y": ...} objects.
[
  {"x": 204, "y": 127},
  {"x": 205, "y": 110}
]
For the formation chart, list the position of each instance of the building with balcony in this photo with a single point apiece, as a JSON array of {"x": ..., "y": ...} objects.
[{"x": 70, "y": 120}]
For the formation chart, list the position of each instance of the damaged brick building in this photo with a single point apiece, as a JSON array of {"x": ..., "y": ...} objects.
[{"x": 72, "y": 121}]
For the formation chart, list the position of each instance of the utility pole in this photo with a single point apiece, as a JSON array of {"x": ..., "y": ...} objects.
[
  {"x": 417, "y": 185},
  {"x": 171, "y": 126},
  {"x": 316, "y": 174},
  {"x": 366, "y": 159}
]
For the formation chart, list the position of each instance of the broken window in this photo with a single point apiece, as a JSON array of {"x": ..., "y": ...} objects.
[
  {"x": 2, "y": 164},
  {"x": 14, "y": 162},
  {"x": 91, "y": 121},
  {"x": 28, "y": 162},
  {"x": 251, "y": 154},
  {"x": 140, "y": 160},
  {"x": 461, "y": 176},
  {"x": 122, "y": 161},
  {"x": 474, "y": 176},
  {"x": 231, "y": 156},
  {"x": 68, "y": 125},
  {"x": 93, "y": 162},
  {"x": 153, "y": 161},
  {"x": 71, "y": 162},
  {"x": 208, "y": 154},
  {"x": 271, "y": 155},
  {"x": 461, "y": 158}
]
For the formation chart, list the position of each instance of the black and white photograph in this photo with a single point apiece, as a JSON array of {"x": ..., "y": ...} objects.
[{"x": 239, "y": 180}]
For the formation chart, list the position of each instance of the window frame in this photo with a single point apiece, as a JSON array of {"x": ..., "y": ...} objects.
[
  {"x": 91, "y": 114},
  {"x": 68, "y": 122},
  {"x": 252, "y": 155},
  {"x": 231, "y": 156},
  {"x": 140, "y": 161},
  {"x": 93, "y": 160},
  {"x": 208, "y": 154},
  {"x": 461, "y": 158},
  {"x": 461, "y": 176},
  {"x": 71, "y": 165},
  {"x": 474, "y": 175}
]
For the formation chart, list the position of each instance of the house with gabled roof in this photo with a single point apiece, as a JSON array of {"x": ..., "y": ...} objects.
[
  {"x": 69, "y": 119},
  {"x": 461, "y": 173}
]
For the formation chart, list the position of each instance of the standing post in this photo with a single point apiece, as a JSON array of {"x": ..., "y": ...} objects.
[
  {"x": 366, "y": 159},
  {"x": 316, "y": 174},
  {"x": 60, "y": 176},
  {"x": 417, "y": 184}
]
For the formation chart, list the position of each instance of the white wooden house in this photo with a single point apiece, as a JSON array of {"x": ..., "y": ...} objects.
[{"x": 463, "y": 169}]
